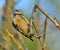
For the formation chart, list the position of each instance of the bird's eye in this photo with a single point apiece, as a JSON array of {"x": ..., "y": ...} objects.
[{"x": 14, "y": 14}]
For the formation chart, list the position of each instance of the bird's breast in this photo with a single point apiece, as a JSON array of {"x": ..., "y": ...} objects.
[{"x": 22, "y": 24}]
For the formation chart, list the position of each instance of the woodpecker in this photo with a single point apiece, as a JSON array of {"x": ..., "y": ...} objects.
[{"x": 21, "y": 24}]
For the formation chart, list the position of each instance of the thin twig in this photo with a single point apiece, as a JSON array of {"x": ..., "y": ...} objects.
[
  {"x": 44, "y": 35},
  {"x": 37, "y": 35},
  {"x": 31, "y": 20},
  {"x": 33, "y": 11},
  {"x": 57, "y": 24},
  {"x": 35, "y": 27}
]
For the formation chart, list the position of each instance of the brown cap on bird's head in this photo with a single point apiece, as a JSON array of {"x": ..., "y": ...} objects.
[{"x": 17, "y": 12}]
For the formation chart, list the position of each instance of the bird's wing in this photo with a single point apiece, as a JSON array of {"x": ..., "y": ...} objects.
[{"x": 18, "y": 29}]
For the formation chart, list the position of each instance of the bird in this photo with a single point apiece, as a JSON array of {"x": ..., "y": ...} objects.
[{"x": 21, "y": 24}]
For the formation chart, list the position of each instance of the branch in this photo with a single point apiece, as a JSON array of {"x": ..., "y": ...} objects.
[
  {"x": 44, "y": 35},
  {"x": 57, "y": 24}
]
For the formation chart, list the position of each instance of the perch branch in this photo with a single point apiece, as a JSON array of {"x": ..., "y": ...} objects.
[{"x": 57, "y": 24}]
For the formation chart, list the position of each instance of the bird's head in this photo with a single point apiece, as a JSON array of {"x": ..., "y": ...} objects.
[
  {"x": 17, "y": 12},
  {"x": 17, "y": 16}
]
